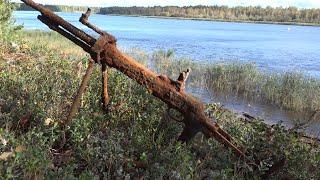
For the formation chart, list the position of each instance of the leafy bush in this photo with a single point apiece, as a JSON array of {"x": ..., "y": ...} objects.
[{"x": 6, "y": 22}]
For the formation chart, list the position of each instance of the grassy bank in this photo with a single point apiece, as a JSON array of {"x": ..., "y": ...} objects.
[{"x": 38, "y": 80}]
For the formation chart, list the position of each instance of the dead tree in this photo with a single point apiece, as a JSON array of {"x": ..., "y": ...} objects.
[{"x": 104, "y": 51}]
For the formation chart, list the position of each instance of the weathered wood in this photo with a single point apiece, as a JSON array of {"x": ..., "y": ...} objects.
[
  {"x": 84, "y": 20},
  {"x": 105, "y": 51},
  {"x": 81, "y": 90},
  {"x": 105, "y": 95},
  {"x": 61, "y": 22}
]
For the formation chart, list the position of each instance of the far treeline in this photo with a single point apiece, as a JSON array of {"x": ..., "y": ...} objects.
[
  {"x": 224, "y": 13},
  {"x": 57, "y": 8},
  {"x": 268, "y": 14}
]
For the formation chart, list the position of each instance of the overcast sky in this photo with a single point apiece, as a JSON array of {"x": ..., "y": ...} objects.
[{"x": 105, "y": 3}]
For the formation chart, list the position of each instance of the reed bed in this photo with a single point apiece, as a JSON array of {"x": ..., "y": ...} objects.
[{"x": 289, "y": 90}]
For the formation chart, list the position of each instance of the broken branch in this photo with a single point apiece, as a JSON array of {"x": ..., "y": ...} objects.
[
  {"x": 81, "y": 90},
  {"x": 105, "y": 95}
]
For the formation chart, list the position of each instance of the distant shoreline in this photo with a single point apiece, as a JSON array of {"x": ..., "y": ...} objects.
[
  {"x": 207, "y": 19},
  {"x": 218, "y": 20}
]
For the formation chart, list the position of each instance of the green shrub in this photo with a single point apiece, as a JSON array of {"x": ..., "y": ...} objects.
[{"x": 6, "y": 23}]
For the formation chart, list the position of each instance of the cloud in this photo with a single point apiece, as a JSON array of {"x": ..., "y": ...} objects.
[{"x": 273, "y": 3}]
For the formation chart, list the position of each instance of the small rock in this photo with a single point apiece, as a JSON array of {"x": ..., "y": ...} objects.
[
  {"x": 175, "y": 175},
  {"x": 119, "y": 171},
  {"x": 15, "y": 47},
  {"x": 127, "y": 177}
]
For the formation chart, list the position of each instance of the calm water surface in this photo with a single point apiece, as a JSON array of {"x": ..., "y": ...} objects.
[{"x": 273, "y": 48}]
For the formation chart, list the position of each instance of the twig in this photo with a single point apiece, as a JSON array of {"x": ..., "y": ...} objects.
[
  {"x": 84, "y": 19},
  {"x": 183, "y": 78}
]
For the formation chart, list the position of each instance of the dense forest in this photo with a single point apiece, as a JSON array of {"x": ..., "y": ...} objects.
[
  {"x": 291, "y": 14},
  {"x": 57, "y": 8}
]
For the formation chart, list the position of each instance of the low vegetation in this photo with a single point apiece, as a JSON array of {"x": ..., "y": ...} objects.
[
  {"x": 137, "y": 140},
  {"x": 39, "y": 74}
]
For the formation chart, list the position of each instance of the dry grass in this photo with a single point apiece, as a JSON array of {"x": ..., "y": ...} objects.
[{"x": 53, "y": 41}]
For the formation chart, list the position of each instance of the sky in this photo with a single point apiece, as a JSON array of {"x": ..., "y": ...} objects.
[{"x": 263, "y": 3}]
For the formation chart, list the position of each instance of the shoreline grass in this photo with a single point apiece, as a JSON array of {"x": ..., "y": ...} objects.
[{"x": 289, "y": 90}]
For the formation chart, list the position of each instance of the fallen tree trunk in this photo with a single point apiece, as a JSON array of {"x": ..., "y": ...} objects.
[{"x": 104, "y": 51}]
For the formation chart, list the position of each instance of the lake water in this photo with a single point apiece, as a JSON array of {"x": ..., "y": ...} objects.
[
  {"x": 274, "y": 48},
  {"x": 271, "y": 47}
]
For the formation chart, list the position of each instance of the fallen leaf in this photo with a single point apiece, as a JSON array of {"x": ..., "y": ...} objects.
[
  {"x": 20, "y": 149},
  {"x": 48, "y": 121},
  {"x": 5, "y": 156},
  {"x": 3, "y": 141}
]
